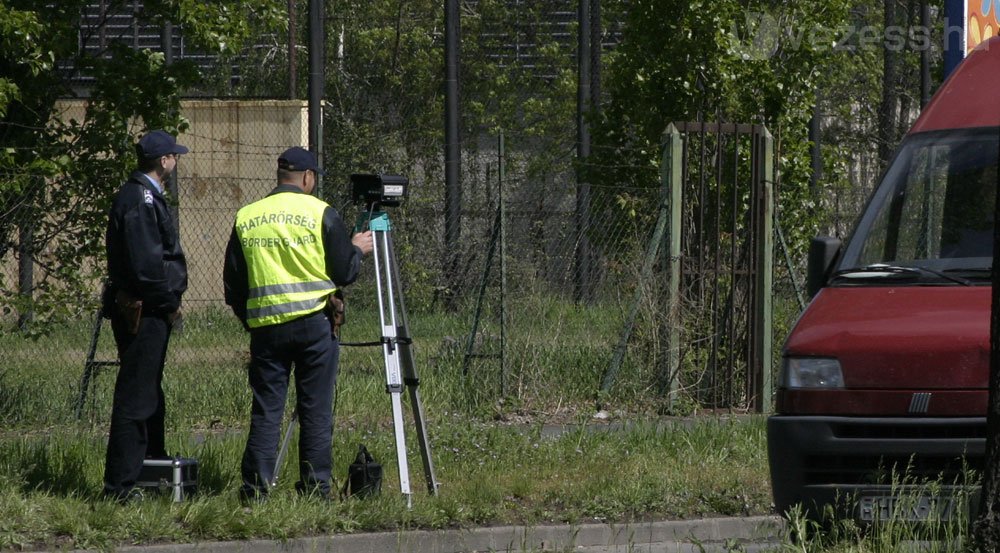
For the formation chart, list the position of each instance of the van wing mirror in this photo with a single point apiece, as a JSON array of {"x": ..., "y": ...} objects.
[{"x": 823, "y": 253}]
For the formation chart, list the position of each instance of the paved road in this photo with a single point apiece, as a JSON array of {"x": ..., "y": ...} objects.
[{"x": 752, "y": 534}]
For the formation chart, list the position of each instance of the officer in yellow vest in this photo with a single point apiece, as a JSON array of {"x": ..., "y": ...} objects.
[{"x": 286, "y": 255}]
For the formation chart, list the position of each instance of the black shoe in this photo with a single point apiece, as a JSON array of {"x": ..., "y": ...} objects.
[
  {"x": 314, "y": 492},
  {"x": 127, "y": 497},
  {"x": 250, "y": 497}
]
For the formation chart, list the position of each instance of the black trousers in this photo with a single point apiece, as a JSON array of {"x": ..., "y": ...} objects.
[
  {"x": 306, "y": 345},
  {"x": 138, "y": 411}
]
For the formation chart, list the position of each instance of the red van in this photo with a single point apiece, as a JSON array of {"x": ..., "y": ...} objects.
[{"x": 887, "y": 369}]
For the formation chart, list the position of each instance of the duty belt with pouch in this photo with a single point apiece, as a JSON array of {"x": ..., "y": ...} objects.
[
  {"x": 130, "y": 309},
  {"x": 335, "y": 308}
]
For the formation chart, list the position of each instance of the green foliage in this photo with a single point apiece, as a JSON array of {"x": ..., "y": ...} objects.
[
  {"x": 19, "y": 34},
  {"x": 83, "y": 162},
  {"x": 205, "y": 380},
  {"x": 730, "y": 61},
  {"x": 225, "y": 27},
  {"x": 385, "y": 92}
]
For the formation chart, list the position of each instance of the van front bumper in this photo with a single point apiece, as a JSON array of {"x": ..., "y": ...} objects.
[{"x": 818, "y": 461}]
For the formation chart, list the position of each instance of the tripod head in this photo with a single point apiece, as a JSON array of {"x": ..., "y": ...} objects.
[{"x": 375, "y": 221}]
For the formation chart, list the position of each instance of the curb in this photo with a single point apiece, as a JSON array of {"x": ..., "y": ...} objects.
[{"x": 502, "y": 538}]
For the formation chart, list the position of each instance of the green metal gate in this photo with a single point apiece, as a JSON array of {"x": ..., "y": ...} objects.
[{"x": 713, "y": 246}]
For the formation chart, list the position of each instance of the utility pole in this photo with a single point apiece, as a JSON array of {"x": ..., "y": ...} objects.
[
  {"x": 596, "y": 49},
  {"x": 316, "y": 84},
  {"x": 986, "y": 527},
  {"x": 582, "y": 290},
  {"x": 815, "y": 151},
  {"x": 292, "y": 58},
  {"x": 887, "y": 110},
  {"x": 452, "y": 146},
  {"x": 925, "y": 55}
]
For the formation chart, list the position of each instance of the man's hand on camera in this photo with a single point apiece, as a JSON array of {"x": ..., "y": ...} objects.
[{"x": 364, "y": 242}]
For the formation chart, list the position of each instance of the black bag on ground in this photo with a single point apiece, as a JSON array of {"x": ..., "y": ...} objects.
[{"x": 364, "y": 476}]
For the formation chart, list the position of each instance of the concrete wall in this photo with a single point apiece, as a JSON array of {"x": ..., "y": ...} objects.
[{"x": 234, "y": 150}]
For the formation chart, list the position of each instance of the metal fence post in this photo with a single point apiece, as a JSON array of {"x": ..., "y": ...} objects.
[
  {"x": 672, "y": 183},
  {"x": 668, "y": 202},
  {"x": 765, "y": 260},
  {"x": 26, "y": 264},
  {"x": 317, "y": 84},
  {"x": 501, "y": 208}
]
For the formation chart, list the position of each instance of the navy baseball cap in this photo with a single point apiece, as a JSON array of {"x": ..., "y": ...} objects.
[
  {"x": 157, "y": 144},
  {"x": 298, "y": 159}
]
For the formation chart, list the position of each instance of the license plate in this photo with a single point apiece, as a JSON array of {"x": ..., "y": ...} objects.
[{"x": 916, "y": 508}]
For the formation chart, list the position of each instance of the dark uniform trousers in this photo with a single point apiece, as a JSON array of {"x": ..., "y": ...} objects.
[
  {"x": 306, "y": 344},
  {"x": 137, "y": 417}
]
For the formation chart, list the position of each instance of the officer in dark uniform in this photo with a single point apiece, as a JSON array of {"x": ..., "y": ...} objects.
[
  {"x": 287, "y": 254},
  {"x": 147, "y": 274}
]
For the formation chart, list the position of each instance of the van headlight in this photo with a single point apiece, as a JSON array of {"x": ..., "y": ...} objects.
[{"x": 812, "y": 372}]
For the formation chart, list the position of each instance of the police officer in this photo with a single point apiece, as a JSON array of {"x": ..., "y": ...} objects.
[
  {"x": 286, "y": 255},
  {"x": 147, "y": 274}
]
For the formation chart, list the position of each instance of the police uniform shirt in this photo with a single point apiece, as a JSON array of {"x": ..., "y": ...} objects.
[{"x": 144, "y": 252}]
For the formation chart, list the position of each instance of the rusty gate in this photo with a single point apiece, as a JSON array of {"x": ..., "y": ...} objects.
[{"x": 720, "y": 180}]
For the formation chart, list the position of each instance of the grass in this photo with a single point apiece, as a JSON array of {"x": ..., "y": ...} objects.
[
  {"x": 491, "y": 471},
  {"x": 937, "y": 532},
  {"x": 489, "y": 474},
  {"x": 553, "y": 361},
  {"x": 496, "y": 462},
  {"x": 890, "y": 536}
]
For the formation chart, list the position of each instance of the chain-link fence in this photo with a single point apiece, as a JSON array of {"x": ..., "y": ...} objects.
[
  {"x": 50, "y": 299},
  {"x": 554, "y": 348},
  {"x": 504, "y": 315}
]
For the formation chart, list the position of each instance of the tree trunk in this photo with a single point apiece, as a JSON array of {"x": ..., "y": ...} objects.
[
  {"x": 887, "y": 109},
  {"x": 986, "y": 529}
]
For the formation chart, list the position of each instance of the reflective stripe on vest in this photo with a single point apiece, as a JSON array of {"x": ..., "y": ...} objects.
[{"x": 282, "y": 242}]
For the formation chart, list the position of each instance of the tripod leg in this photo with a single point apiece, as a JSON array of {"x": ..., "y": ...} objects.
[
  {"x": 284, "y": 448},
  {"x": 412, "y": 382},
  {"x": 89, "y": 367},
  {"x": 397, "y": 422},
  {"x": 390, "y": 346},
  {"x": 410, "y": 377}
]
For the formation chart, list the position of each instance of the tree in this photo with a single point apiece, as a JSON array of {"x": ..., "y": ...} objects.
[
  {"x": 385, "y": 101},
  {"x": 986, "y": 526},
  {"x": 57, "y": 177}
]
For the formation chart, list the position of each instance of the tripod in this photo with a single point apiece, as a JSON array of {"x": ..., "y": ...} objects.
[
  {"x": 397, "y": 349},
  {"x": 90, "y": 366}
]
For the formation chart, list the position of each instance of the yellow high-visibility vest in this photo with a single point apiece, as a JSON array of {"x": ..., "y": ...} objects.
[{"x": 282, "y": 242}]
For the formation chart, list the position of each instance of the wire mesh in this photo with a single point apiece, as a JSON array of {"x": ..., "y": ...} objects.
[{"x": 533, "y": 334}]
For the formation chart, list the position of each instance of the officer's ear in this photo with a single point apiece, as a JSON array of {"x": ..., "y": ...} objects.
[{"x": 307, "y": 183}]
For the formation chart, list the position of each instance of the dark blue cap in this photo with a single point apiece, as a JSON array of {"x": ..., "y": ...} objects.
[
  {"x": 157, "y": 144},
  {"x": 298, "y": 159}
]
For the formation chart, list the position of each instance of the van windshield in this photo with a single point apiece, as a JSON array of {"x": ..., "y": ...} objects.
[{"x": 934, "y": 208}]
